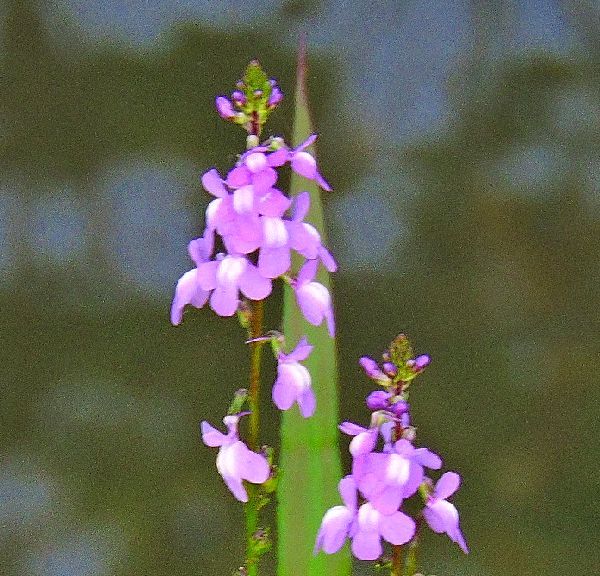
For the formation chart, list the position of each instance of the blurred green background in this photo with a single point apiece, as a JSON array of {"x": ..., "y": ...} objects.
[{"x": 463, "y": 142}]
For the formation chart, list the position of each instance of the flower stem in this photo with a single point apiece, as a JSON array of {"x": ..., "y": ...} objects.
[
  {"x": 396, "y": 561},
  {"x": 397, "y": 568},
  {"x": 251, "y": 507},
  {"x": 256, "y": 327}
]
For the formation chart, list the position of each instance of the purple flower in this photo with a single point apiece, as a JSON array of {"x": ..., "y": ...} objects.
[
  {"x": 337, "y": 521},
  {"x": 304, "y": 164},
  {"x": 364, "y": 440},
  {"x": 365, "y": 525},
  {"x": 281, "y": 236},
  {"x": 235, "y": 461},
  {"x": 440, "y": 514},
  {"x": 226, "y": 277},
  {"x": 255, "y": 168},
  {"x": 188, "y": 289},
  {"x": 313, "y": 298},
  {"x": 293, "y": 382},
  {"x": 385, "y": 479}
]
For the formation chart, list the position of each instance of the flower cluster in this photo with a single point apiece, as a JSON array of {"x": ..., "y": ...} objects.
[
  {"x": 259, "y": 227},
  {"x": 381, "y": 480}
]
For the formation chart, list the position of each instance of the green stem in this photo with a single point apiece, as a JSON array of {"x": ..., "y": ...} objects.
[
  {"x": 256, "y": 327},
  {"x": 251, "y": 507}
]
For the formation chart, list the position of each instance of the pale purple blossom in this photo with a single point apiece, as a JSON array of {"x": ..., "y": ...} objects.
[
  {"x": 366, "y": 526},
  {"x": 188, "y": 289},
  {"x": 293, "y": 383},
  {"x": 313, "y": 298},
  {"x": 226, "y": 277},
  {"x": 365, "y": 439},
  {"x": 235, "y": 461},
  {"x": 440, "y": 514},
  {"x": 305, "y": 164},
  {"x": 385, "y": 479}
]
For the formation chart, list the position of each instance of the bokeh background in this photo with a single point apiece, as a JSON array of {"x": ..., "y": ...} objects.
[{"x": 463, "y": 142}]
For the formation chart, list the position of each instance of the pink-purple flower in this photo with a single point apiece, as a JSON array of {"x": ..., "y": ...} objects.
[
  {"x": 365, "y": 525},
  {"x": 188, "y": 289},
  {"x": 235, "y": 461},
  {"x": 313, "y": 298},
  {"x": 293, "y": 382},
  {"x": 441, "y": 515}
]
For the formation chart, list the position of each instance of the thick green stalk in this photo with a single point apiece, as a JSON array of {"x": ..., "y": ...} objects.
[{"x": 310, "y": 460}]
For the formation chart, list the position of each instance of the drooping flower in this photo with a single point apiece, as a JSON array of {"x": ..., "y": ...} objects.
[
  {"x": 337, "y": 521},
  {"x": 313, "y": 298},
  {"x": 235, "y": 461},
  {"x": 305, "y": 164},
  {"x": 441, "y": 515},
  {"x": 366, "y": 526},
  {"x": 293, "y": 382},
  {"x": 188, "y": 289}
]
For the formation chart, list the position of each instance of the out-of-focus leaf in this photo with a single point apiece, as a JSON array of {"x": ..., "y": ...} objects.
[{"x": 310, "y": 458}]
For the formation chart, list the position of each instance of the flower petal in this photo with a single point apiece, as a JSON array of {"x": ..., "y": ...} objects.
[
  {"x": 243, "y": 200},
  {"x": 300, "y": 352},
  {"x": 211, "y": 436},
  {"x": 253, "y": 285},
  {"x": 334, "y": 529},
  {"x": 348, "y": 492},
  {"x": 213, "y": 183},
  {"x": 273, "y": 262},
  {"x": 278, "y": 158},
  {"x": 264, "y": 180},
  {"x": 187, "y": 291},
  {"x": 447, "y": 485},
  {"x": 224, "y": 300},
  {"x": 239, "y": 176},
  {"x": 367, "y": 545},
  {"x": 397, "y": 528}
]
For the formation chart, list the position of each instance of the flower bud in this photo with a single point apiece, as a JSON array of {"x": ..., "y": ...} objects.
[
  {"x": 373, "y": 371},
  {"x": 390, "y": 369},
  {"x": 238, "y": 97},
  {"x": 399, "y": 407},
  {"x": 378, "y": 400},
  {"x": 275, "y": 98},
  {"x": 224, "y": 107}
]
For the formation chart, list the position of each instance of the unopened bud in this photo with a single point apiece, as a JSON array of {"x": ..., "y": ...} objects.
[
  {"x": 399, "y": 407},
  {"x": 238, "y": 97},
  {"x": 378, "y": 400},
  {"x": 224, "y": 107},
  {"x": 390, "y": 369}
]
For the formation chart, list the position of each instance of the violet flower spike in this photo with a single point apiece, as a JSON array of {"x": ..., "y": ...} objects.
[
  {"x": 235, "y": 461},
  {"x": 313, "y": 298},
  {"x": 441, "y": 515},
  {"x": 293, "y": 382}
]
